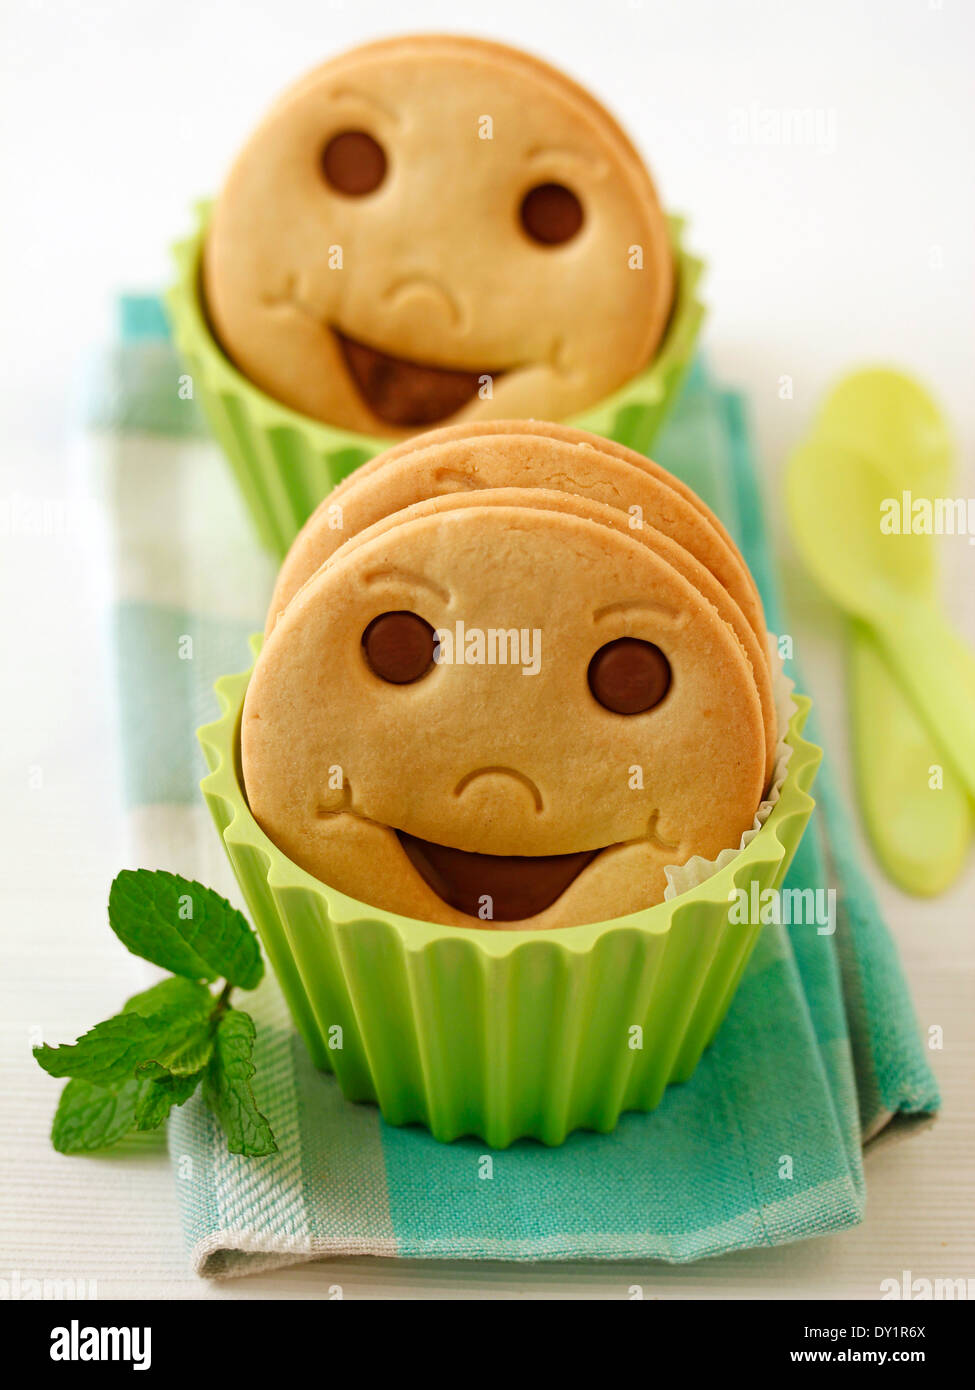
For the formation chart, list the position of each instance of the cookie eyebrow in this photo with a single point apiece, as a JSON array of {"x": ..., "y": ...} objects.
[
  {"x": 628, "y": 605},
  {"x": 365, "y": 99},
  {"x": 404, "y": 576},
  {"x": 565, "y": 152}
]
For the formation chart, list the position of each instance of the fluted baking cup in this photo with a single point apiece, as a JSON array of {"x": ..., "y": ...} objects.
[
  {"x": 499, "y": 1034},
  {"x": 285, "y": 462}
]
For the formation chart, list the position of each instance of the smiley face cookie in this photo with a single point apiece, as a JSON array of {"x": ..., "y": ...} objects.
[
  {"x": 499, "y": 714},
  {"x": 682, "y": 561},
  {"x": 437, "y": 228},
  {"x": 533, "y": 455}
]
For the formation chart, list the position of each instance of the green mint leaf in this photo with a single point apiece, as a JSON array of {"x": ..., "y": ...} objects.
[
  {"x": 187, "y": 1061},
  {"x": 90, "y": 1117},
  {"x": 157, "y": 1097},
  {"x": 195, "y": 999},
  {"x": 184, "y": 927},
  {"x": 194, "y": 1056},
  {"x": 226, "y": 1087},
  {"x": 175, "y": 990},
  {"x": 109, "y": 1053}
]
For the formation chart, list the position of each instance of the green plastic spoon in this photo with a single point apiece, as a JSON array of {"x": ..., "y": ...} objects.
[
  {"x": 916, "y": 810},
  {"x": 835, "y": 496}
]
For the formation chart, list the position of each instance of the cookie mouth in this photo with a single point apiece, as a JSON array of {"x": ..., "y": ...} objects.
[
  {"x": 404, "y": 393},
  {"x": 499, "y": 887}
]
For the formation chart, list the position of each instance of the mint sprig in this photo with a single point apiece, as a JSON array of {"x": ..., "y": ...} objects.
[{"x": 127, "y": 1073}]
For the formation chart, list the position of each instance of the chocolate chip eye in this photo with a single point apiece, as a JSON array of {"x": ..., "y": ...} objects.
[
  {"x": 551, "y": 214},
  {"x": 629, "y": 676},
  {"x": 354, "y": 163},
  {"x": 399, "y": 647}
]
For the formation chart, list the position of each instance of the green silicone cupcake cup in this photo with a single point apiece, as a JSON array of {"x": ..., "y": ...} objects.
[
  {"x": 500, "y": 1034},
  {"x": 285, "y": 463}
]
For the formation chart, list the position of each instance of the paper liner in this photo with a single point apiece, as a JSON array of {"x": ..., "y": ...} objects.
[
  {"x": 285, "y": 462},
  {"x": 500, "y": 1034},
  {"x": 682, "y": 877}
]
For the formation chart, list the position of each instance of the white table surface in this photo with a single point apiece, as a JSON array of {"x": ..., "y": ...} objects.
[{"x": 857, "y": 246}]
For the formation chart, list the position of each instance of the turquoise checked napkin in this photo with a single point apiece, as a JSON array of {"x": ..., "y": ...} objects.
[{"x": 763, "y": 1145}]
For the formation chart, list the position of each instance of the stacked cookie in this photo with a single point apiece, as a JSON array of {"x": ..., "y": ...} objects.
[{"x": 511, "y": 672}]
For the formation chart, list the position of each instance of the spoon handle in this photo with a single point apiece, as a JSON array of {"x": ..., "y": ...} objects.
[
  {"x": 937, "y": 670},
  {"x": 920, "y": 823}
]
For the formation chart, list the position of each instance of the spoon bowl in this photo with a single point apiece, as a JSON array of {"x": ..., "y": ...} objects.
[
  {"x": 888, "y": 417},
  {"x": 834, "y": 498}
]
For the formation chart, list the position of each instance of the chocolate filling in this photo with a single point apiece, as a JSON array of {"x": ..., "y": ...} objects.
[
  {"x": 517, "y": 885},
  {"x": 407, "y": 393}
]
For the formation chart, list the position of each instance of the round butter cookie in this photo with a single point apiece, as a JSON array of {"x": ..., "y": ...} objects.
[
  {"x": 435, "y": 228},
  {"x": 502, "y": 716}
]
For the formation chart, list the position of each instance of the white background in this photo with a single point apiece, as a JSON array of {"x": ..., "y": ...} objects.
[{"x": 856, "y": 247}]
